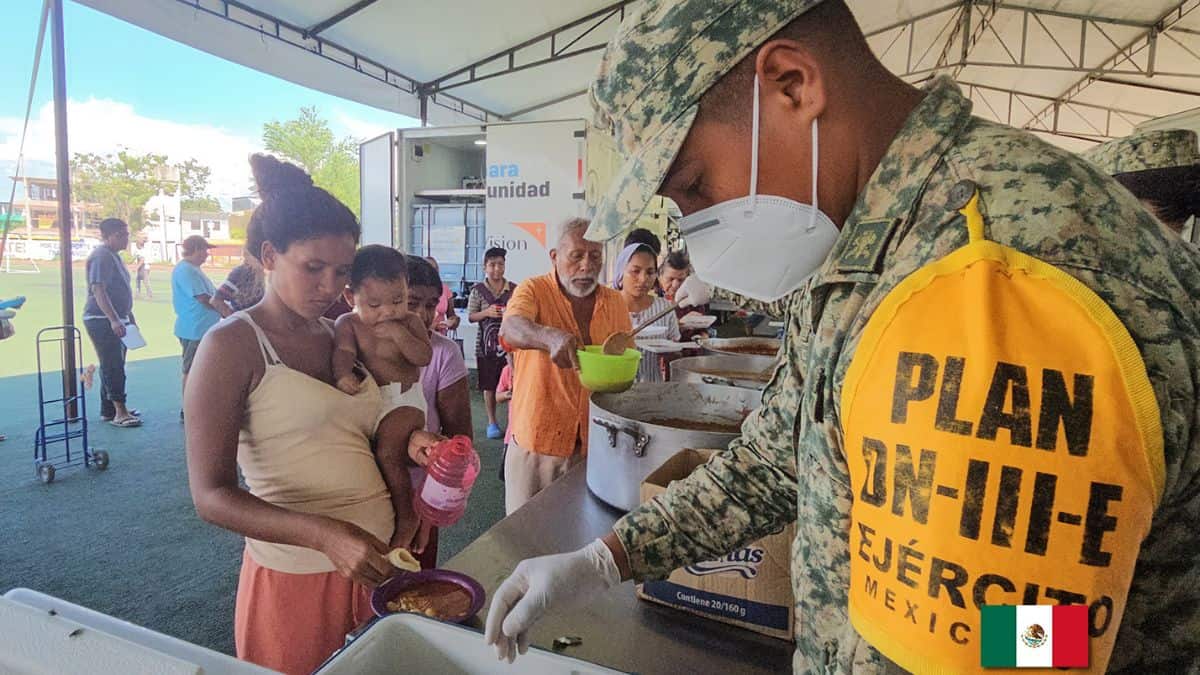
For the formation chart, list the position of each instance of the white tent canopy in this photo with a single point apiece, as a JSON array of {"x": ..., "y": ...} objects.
[{"x": 1077, "y": 71}]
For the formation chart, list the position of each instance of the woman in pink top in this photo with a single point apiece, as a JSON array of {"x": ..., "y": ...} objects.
[
  {"x": 444, "y": 380},
  {"x": 318, "y": 513}
]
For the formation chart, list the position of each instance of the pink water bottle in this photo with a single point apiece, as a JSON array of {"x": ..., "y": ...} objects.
[{"x": 453, "y": 467}]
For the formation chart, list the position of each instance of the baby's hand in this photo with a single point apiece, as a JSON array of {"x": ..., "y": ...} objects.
[
  {"x": 416, "y": 326},
  {"x": 349, "y": 384},
  {"x": 420, "y": 444}
]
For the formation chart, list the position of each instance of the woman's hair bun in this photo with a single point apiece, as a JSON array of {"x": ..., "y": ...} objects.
[{"x": 273, "y": 176}]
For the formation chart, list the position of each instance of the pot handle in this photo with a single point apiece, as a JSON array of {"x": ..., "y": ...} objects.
[{"x": 640, "y": 440}]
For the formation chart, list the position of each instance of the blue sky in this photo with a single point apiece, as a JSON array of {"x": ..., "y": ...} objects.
[{"x": 130, "y": 87}]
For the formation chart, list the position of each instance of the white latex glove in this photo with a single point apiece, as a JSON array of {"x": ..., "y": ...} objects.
[
  {"x": 538, "y": 584},
  {"x": 693, "y": 292}
]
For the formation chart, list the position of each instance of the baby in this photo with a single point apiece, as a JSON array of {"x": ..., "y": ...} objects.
[{"x": 392, "y": 344}]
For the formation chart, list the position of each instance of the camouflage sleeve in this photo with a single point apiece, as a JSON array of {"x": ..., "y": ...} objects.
[
  {"x": 1160, "y": 629},
  {"x": 740, "y": 495},
  {"x": 777, "y": 309}
]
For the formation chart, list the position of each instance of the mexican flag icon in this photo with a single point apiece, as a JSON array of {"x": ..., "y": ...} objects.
[{"x": 1034, "y": 636}]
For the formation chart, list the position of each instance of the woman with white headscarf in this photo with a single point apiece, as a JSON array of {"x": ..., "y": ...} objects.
[{"x": 637, "y": 279}]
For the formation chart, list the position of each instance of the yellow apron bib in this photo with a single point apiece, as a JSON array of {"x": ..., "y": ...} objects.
[{"x": 1004, "y": 447}]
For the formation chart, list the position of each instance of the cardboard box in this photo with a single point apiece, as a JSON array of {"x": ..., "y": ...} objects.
[{"x": 750, "y": 587}]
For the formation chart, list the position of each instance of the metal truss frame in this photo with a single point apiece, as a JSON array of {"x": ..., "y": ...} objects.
[
  {"x": 961, "y": 25},
  {"x": 1034, "y": 103},
  {"x": 320, "y": 26},
  {"x": 564, "y": 42}
]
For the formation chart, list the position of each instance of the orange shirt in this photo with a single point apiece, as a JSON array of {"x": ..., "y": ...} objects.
[{"x": 550, "y": 407}]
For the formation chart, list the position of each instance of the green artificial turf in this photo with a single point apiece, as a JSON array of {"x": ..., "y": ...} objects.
[{"x": 43, "y": 309}]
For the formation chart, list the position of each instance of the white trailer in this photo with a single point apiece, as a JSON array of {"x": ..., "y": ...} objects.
[{"x": 454, "y": 192}]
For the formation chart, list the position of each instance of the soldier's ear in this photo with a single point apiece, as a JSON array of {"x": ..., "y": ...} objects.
[{"x": 791, "y": 75}]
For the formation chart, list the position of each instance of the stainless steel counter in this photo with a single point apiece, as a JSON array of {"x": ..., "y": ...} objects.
[{"x": 618, "y": 630}]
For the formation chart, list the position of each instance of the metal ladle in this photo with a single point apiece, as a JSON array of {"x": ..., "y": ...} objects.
[{"x": 617, "y": 343}]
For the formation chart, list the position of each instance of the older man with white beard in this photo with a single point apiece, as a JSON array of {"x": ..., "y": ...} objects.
[{"x": 548, "y": 318}]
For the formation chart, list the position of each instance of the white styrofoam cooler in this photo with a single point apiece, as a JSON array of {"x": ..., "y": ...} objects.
[
  {"x": 43, "y": 634},
  {"x": 412, "y": 644}
]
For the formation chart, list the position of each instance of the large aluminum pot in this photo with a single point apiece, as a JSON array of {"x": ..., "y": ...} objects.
[
  {"x": 633, "y": 432},
  {"x": 748, "y": 372},
  {"x": 747, "y": 346}
]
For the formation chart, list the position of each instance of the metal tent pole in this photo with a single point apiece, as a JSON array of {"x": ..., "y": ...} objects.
[{"x": 63, "y": 171}]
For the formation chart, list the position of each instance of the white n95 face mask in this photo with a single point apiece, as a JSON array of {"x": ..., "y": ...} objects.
[{"x": 762, "y": 247}]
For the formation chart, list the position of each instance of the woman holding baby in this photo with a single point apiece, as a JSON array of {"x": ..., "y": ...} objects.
[{"x": 319, "y": 514}]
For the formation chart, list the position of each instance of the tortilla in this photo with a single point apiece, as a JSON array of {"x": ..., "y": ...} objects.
[{"x": 402, "y": 559}]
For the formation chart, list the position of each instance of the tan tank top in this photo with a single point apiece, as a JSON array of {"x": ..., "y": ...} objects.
[{"x": 306, "y": 446}]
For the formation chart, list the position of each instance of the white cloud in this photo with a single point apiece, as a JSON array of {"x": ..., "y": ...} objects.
[
  {"x": 345, "y": 124},
  {"x": 104, "y": 126}
]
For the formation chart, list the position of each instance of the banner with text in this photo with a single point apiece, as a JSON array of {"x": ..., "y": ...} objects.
[{"x": 534, "y": 184}]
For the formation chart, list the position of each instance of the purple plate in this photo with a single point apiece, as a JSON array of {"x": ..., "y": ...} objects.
[{"x": 388, "y": 590}]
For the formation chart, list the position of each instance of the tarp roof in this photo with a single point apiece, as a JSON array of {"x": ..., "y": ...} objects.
[{"x": 1076, "y": 70}]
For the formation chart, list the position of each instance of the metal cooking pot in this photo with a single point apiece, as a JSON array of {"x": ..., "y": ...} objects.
[
  {"x": 627, "y": 438},
  {"x": 749, "y": 372},
  {"x": 748, "y": 346}
]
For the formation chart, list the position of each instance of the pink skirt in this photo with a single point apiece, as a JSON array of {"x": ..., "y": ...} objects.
[{"x": 293, "y": 622}]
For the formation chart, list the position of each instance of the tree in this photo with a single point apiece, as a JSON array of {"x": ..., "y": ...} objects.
[
  {"x": 124, "y": 182},
  {"x": 193, "y": 180},
  {"x": 206, "y": 204},
  {"x": 309, "y": 142}
]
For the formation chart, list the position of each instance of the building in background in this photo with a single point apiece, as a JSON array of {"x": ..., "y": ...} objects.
[
  {"x": 245, "y": 203},
  {"x": 164, "y": 230},
  {"x": 212, "y": 225},
  {"x": 33, "y": 226},
  {"x": 239, "y": 217},
  {"x": 36, "y": 200},
  {"x": 167, "y": 225}
]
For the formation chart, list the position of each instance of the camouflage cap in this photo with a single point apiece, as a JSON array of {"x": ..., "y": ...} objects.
[
  {"x": 1145, "y": 151},
  {"x": 652, "y": 75}
]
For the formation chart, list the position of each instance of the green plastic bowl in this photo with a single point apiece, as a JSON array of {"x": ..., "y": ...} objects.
[{"x": 603, "y": 373}]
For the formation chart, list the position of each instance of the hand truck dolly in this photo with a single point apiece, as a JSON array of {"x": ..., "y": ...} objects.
[{"x": 71, "y": 429}]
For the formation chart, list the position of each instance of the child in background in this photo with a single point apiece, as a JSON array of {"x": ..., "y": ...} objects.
[
  {"x": 444, "y": 320},
  {"x": 143, "y": 277},
  {"x": 486, "y": 308},
  {"x": 504, "y": 390},
  {"x": 392, "y": 344}
]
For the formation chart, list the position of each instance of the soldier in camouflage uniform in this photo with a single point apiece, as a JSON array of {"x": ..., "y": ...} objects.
[
  {"x": 1146, "y": 151},
  {"x": 1161, "y": 168},
  {"x": 790, "y": 459}
]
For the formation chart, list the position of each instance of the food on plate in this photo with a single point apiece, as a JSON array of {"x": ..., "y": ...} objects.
[
  {"x": 402, "y": 559},
  {"x": 435, "y": 599}
]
